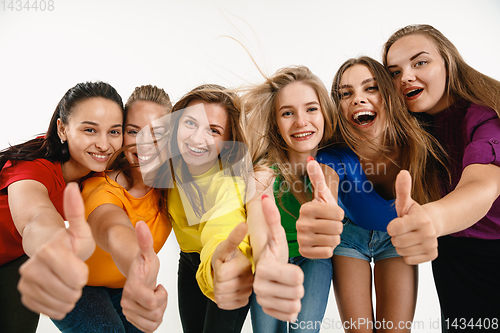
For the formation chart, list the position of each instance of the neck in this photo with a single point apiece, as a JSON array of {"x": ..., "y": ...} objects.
[
  {"x": 73, "y": 171},
  {"x": 298, "y": 161}
]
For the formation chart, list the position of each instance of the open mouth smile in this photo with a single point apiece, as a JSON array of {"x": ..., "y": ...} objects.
[
  {"x": 413, "y": 93},
  {"x": 303, "y": 135},
  {"x": 364, "y": 118}
]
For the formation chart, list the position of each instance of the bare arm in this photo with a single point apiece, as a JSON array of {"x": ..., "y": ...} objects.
[{"x": 114, "y": 233}]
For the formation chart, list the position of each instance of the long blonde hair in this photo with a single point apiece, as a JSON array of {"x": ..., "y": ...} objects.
[
  {"x": 463, "y": 81},
  {"x": 417, "y": 151},
  {"x": 267, "y": 147}
]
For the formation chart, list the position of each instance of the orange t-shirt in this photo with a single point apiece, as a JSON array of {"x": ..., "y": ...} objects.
[{"x": 101, "y": 190}]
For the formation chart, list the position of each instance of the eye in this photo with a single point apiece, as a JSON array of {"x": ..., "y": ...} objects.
[
  {"x": 132, "y": 132},
  {"x": 286, "y": 113},
  {"x": 158, "y": 134},
  {"x": 115, "y": 132},
  {"x": 344, "y": 94},
  {"x": 190, "y": 123},
  {"x": 214, "y": 131},
  {"x": 372, "y": 88},
  {"x": 420, "y": 63},
  {"x": 395, "y": 73},
  {"x": 90, "y": 130},
  {"x": 312, "y": 109}
]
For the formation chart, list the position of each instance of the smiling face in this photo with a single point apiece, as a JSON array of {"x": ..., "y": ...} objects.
[
  {"x": 203, "y": 130},
  {"x": 93, "y": 134},
  {"x": 145, "y": 128},
  {"x": 361, "y": 102},
  {"x": 299, "y": 117},
  {"x": 419, "y": 72}
]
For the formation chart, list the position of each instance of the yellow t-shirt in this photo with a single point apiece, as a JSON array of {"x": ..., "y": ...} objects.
[
  {"x": 100, "y": 190},
  {"x": 224, "y": 209}
]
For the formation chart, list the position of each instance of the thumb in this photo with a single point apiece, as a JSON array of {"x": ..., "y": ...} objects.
[
  {"x": 79, "y": 230},
  {"x": 144, "y": 239},
  {"x": 277, "y": 242},
  {"x": 227, "y": 247},
  {"x": 316, "y": 176},
  {"x": 403, "y": 193}
]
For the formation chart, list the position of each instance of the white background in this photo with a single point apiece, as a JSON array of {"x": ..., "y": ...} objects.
[{"x": 178, "y": 45}]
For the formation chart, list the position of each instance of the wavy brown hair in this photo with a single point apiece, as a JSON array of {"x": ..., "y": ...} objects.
[
  {"x": 463, "y": 81},
  {"x": 417, "y": 151},
  {"x": 228, "y": 157},
  {"x": 268, "y": 149}
]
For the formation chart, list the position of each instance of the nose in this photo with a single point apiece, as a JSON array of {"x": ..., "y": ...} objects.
[
  {"x": 301, "y": 120},
  {"x": 197, "y": 136},
  {"x": 102, "y": 143},
  {"x": 359, "y": 98},
  {"x": 407, "y": 76}
]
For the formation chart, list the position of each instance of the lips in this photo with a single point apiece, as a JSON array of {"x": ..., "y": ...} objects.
[
  {"x": 99, "y": 157},
  {"x": 196, "y": 149},
  {"x": 413, "y": 92},
  {"x": 364, "y": 117}
]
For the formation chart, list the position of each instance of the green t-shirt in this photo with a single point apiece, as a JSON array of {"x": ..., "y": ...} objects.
[{"x": 289, "y": 208}]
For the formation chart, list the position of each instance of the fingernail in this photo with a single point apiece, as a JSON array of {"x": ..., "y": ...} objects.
[
  {"x": 310, "y": 158},
  {"x": 263, "y": 196}
]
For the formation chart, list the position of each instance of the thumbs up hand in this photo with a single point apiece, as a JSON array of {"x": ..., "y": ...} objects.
[
  {"x": 413, "y": 233},
  {"x": 53, "y": 278},
  {"x": 144, "y": 302},
  {"x": 320, "y": 221},
  {"x": 233, "y": 277},
  {"x": 278, "y": 285}
]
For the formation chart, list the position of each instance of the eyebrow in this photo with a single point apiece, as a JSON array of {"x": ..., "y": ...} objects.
[
  {"x": 362, "y": 83},
  {"x": 290, "y": 107},
  {"x": 93, "y": 123},
  {"x": 411, "y": 58}
]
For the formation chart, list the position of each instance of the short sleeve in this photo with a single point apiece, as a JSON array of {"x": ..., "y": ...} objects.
[
  {"x": 332, "y": 158},
  {"x": 96, "y": 191},
  {"x": 483, "y": 131},
  {"x": 47, "y": 173}
]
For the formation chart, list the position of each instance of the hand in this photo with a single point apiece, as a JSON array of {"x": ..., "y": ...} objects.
[
  {"x": 143, "y": 302},
  {"x": 278, "y": 285},
  {"x": 233, "y": 276},
  {"x": 320, "y": 221},
  {"x": 52, "y": 280},
  {"x": 413, "y": 233}
]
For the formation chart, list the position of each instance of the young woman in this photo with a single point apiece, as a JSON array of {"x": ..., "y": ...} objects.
[
  {"x": 205, "y": 203},
  {"x": 380, "y": 139},
  {"x": 461, "y": 107},
  {"x": 115, "y": 202},
  {"x": 290, "y": 117},
  {"x": 85, "y": 130}
]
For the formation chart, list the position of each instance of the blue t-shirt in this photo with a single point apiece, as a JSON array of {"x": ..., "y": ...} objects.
[{"x": 360, "y": 202}]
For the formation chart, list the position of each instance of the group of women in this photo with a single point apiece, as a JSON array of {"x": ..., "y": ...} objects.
[{"x": 407, "y": 173}]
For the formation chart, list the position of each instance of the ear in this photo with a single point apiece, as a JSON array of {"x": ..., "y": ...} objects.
[{"x": 61, "y": 130}]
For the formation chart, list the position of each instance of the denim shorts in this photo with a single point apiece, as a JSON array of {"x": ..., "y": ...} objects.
[{"x": 368, "y": 245}]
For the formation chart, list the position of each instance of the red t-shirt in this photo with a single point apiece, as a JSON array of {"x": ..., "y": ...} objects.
[{"x": 40, "y": 170}]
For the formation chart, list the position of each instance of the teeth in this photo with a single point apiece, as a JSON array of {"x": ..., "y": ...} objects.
[
  {"x": 364, "y": 113},
  {"x": 99, "y": 156},
  {"x": 301, "y": 135},
  {"x": 197, "y": 150},
  {"x": 145, "y": 158}
]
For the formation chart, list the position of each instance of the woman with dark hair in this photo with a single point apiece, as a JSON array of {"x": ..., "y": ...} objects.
[
  {"x": 85, "y": 130},
  {"x": 461, "y": 108},
  {"x": 123, "y": 268}
]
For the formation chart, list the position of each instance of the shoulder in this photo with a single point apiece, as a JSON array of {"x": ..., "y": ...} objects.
[{"x": 41, "y": 170}]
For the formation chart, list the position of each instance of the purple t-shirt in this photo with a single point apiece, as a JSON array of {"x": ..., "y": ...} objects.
[{"x": 470, "y": 134}]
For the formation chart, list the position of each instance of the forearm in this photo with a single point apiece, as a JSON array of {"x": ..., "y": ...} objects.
[
  {"x": 470, "y": 201},
  {"x": 120, "y": 241},
  {"x": 40, "y": 230}
]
